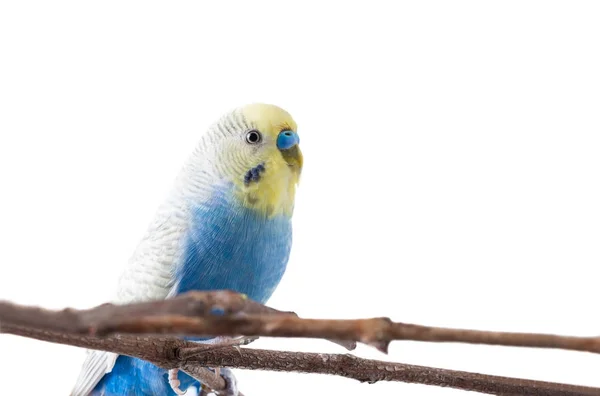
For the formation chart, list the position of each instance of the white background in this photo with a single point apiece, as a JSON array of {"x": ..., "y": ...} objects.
[{"x": 451, "y": 179}]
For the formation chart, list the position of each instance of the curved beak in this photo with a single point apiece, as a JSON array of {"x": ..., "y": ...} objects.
[{"x": 288, "y": 143}]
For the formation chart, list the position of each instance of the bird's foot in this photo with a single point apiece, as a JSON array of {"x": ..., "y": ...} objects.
[
  {"x": 231, "y": 386},
  {"x": 174, "y": 382},
  {"x": 214, "y": 344},
  {"x": 224, "y": 342}
]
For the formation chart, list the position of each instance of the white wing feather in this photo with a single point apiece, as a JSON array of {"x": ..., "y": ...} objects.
[
  {"x": 149, "y": 273},
  {"x": 148, "y": 276},
  {"x": 96, "y": 364}
]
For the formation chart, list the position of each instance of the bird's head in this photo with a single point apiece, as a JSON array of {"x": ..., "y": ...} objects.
[{"x": 256, "y": 149}]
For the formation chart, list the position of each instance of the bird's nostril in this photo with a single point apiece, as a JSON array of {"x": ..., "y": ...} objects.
[{"x": 288, "y": 133}]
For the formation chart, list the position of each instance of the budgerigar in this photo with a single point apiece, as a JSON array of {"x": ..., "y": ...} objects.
[{"x": 225, "y": 225}]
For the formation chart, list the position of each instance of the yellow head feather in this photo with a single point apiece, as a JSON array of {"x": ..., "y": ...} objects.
[{"x": 274, "y": 192}]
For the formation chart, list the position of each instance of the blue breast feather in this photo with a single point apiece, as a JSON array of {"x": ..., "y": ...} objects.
[{"x": 227, "y": 247}]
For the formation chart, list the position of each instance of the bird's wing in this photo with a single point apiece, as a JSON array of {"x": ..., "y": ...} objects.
[
  {"x": 148, "y": 276},
  {"x": 96, "y": 364}
]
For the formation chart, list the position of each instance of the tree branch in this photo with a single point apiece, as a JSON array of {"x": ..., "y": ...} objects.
[
  {"x": 165, "y": 352},
  {"x": 201, "y": 314},
  {"x": 226, "y": 313}
]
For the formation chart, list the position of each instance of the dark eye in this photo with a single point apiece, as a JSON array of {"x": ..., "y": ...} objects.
[{"x": 253, "y": 137}]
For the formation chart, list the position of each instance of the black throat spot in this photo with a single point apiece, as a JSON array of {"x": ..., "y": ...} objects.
[{"x": 253, "y": 175}]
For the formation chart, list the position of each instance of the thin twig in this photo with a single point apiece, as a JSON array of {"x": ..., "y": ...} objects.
[
  {"x": 192, "y": 314},
  {"x": 377, "y": 332},
  {"x": 372, "y": 371},
  {"x": 164, "y": 351},
  {"x": 225, "y": 313},
  {"x": 104, "y": 318}
]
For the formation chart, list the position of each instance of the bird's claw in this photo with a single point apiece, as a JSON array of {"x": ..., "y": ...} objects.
[
  {"x": 174, "y": 382},
  {"x": 231, "y": 389}
]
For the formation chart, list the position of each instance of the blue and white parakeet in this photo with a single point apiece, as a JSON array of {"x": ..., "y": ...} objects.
[{"x": 225, "y": 225}]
